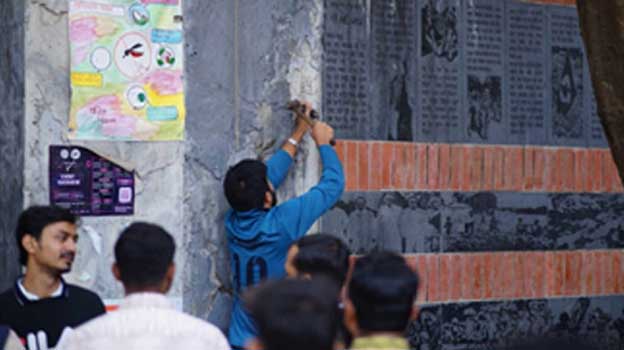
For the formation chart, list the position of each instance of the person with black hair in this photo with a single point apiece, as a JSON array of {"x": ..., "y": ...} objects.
[
  {"x": 294, "y": 314},
  {"x": 40, "y": 306},
  {"x": 259, "y": 232},
  {"x": 319, "y": 255},
  {"x": 146, "y": 319},
  {"x": 380, "y": 303},
  {"x": 322, "y": 257}
]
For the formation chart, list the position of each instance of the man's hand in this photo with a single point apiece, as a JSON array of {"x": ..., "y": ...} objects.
[
  {"x": 322, "y": 133},
  {"x": 301, "y": 127}
]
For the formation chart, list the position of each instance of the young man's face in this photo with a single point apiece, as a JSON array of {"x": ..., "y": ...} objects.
[
  {"x": 56, "y": 248},
  {"x": 291, "y": 270}
]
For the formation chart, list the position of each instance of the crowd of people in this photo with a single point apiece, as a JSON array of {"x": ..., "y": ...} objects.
[{"x": 291, "y": 290}]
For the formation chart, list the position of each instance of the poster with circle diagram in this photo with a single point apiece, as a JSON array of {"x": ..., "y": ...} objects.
[
  {"x": 88, "y": 184},
  {"x": 127, "y": 65}
]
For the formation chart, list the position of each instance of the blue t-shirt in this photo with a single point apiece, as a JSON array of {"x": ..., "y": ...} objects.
[{"x": 259, "y": 239}]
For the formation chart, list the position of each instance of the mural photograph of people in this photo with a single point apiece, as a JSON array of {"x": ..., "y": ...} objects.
[
  {"x": 387, "y": 219},
  {"x": 491, "y": 324},
  {"x": 357, "y": 231},
  {"x": 485, "y": 104},
  {"x": 414, "y": 222}
]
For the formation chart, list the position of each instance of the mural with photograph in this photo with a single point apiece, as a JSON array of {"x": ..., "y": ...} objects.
[
  {"x": 414, "y": 222},
  {"x": 491, "y": 324}
]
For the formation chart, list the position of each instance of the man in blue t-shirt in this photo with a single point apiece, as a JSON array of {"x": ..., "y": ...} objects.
[{"x": 259, "y": 232}]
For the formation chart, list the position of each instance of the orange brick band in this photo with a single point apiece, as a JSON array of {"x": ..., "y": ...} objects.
[
  {"x": 403, "y": 166},
  {"x": 517, "y": 275}
]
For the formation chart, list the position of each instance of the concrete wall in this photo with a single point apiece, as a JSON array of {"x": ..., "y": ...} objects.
[
  {"x": 244, "y": 61},
  {"x": 239, "y": 77},
  {"x": 159, "y": 166},
  {"x": 12, "y": 126}
]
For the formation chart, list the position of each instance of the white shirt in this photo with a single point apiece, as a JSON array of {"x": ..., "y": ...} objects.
[
  {"x": 12, "y": 342},
  {"x": 144, "y": 321}
]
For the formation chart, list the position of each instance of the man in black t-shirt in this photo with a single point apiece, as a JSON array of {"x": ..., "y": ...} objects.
[{"x": 41, "y": 305}]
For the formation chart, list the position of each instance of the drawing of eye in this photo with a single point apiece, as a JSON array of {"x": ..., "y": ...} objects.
[
  {"x": 136, "y": 96},
  {"x": 139, "y": 14}
]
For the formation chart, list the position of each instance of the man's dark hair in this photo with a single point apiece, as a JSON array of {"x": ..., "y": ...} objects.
[
  {"x": 382, "y": 290},
  {"x": 245, "y": 185},
  {"x": 33, "y": 220},
  {"x": 323, "y": 255},
  {"x": 143, "y": 253},
  {"x": 295, "y": 314}
]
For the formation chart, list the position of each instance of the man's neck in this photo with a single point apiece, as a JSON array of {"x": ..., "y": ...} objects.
[
  {"x": 131, "y": 290},
  {"x": 40, "y": 283}
]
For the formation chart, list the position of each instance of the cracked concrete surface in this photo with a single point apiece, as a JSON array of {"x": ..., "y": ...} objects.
[
  {"x": 12, "y": 140},
  {"x": 244, "y": 59},
  {"x": 266, "y": 43}
]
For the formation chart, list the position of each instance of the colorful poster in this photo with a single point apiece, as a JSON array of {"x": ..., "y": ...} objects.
[
  {"x": 88, "y": 184},
  {"x": 127, "y": 64}
]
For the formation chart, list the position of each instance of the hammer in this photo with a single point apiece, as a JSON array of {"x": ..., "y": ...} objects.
[{"x": 299, "y": 109}]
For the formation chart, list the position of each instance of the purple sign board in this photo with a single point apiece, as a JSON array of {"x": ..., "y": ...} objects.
[{"x": 88, "y": 184}]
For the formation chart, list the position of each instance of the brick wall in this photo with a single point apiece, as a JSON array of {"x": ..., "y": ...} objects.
[
  {"x": 403, "y": 166},
  {"x": 562, "y": 274}
]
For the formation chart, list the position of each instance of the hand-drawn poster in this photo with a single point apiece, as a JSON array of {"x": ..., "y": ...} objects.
[
  {"x": 126, "y": 70},
  {"x": 88, "y": 184}
]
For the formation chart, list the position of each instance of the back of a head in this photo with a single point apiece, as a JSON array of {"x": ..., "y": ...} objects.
[
  {"x": 143, "y": 254},
  {"x": 295, "y": 314},
  {"x": 323, "y": 255},
  {"x": 382, "y": 290},
  {"x": 33, "y": 220},
  {"x": 245, "y": 185}
]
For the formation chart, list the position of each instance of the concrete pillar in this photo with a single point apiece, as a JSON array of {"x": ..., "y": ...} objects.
[
  {"x": 12, "y": 136},
  {"x": 244, "y": 61}
]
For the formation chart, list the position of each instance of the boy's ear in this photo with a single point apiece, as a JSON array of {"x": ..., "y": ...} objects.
[
  {"x": 268, "y": 199},
  {"x": 116, "y": 272},
  {"x": 168, "y": 280},
  {"x": 29, "y": 243}
]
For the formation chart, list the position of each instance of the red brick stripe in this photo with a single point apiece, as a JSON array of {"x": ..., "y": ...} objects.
[
  {"x": 489, "y": 276},
  {"x": 404, "y": 166},
  {"x": 447, "y": 278}
]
